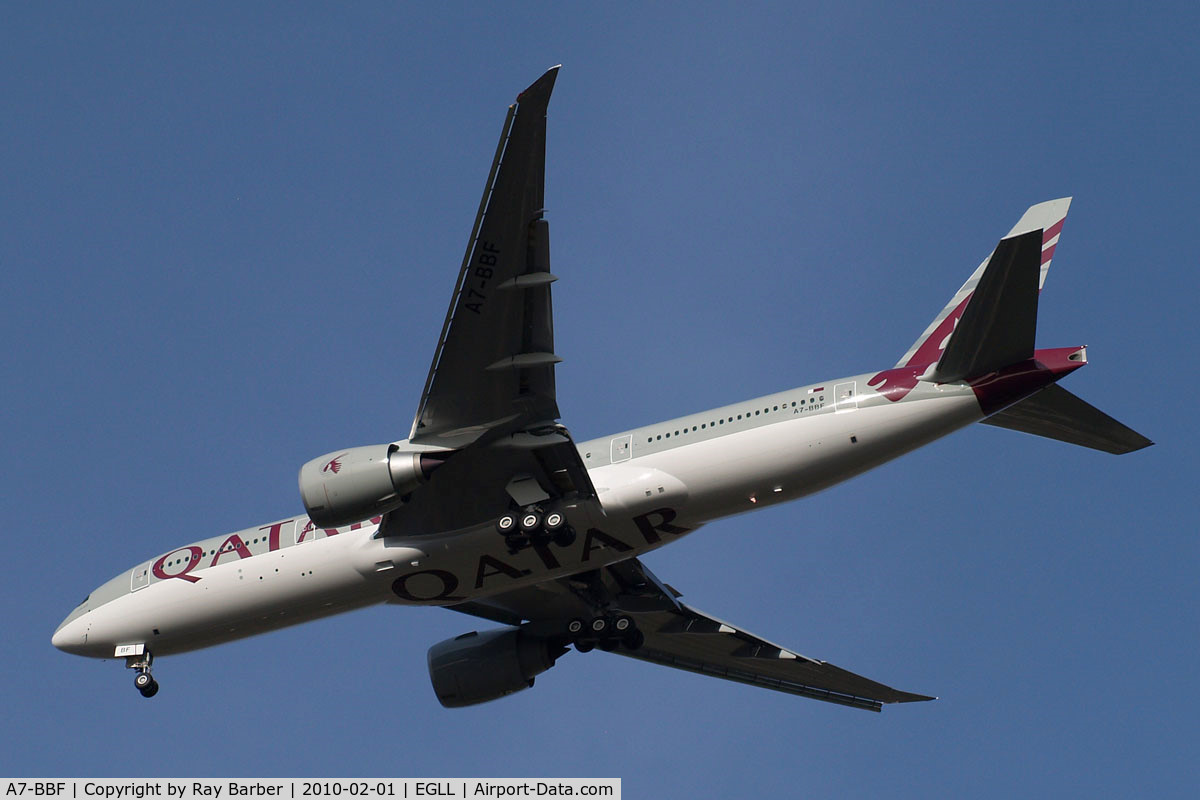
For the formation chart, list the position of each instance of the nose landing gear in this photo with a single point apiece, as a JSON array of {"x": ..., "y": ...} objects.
[{"x": 144, "y": 682}]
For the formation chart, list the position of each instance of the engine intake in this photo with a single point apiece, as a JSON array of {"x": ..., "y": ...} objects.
[
  {"x": 478, "y": 667},
  {"x": 352, "y": 485}
]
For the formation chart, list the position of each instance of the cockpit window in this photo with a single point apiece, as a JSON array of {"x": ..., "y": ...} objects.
[{"x": 89, "y": 597}]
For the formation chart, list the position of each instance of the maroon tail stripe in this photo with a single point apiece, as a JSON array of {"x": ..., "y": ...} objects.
[
  {"x": 1053, "y": 230},
  {"x": 1048, "y": 253}
]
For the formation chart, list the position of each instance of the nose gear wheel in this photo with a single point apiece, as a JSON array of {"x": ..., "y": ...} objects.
[
  {"x": 145, "y": 684},
  {"x": 143, "y": 681}
]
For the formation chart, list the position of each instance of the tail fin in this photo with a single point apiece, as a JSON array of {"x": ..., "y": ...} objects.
[
  {"x": 1049, "y": 218},
  {"x": 1057, "y": 414},
  {"x": 997, "y": 327},
  {"x": 985, "y": 335}
]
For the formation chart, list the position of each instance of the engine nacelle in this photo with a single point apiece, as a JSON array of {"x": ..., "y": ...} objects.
[
  {"x": 361, "y": 482},
  {"x": 478, "y": 667}
]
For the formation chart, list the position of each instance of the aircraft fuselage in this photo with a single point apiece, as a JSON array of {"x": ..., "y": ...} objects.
[{"x": 656, "y": 484}]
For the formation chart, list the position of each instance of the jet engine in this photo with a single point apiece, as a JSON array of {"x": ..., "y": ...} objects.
[
  {"x": 478, "y": 667},
  {"x": 352, "y": 485}
]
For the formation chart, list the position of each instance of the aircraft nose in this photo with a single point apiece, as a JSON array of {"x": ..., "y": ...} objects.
[{"x": 70, "y": 637}]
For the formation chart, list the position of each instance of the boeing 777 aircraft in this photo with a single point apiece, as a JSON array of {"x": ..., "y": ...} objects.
[{"x": 490, "y": 508}]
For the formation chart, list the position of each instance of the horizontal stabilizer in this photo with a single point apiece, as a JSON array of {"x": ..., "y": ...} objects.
[
  {"x": 1057, "y": 414},
  {"x": 997, "y": 327}
]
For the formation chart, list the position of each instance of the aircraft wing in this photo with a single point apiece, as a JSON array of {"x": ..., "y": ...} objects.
[
  {"x": 490, "y": 394},
  {"x": 493, "y": 369},
  {"x": 677, "y": 635}
]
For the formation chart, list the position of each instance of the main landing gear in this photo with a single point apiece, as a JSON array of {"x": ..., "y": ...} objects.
[
  {"x": 534, "y": 525},
  {"x": 143, "y": 681},
  {"x": 606, "y": 631}
]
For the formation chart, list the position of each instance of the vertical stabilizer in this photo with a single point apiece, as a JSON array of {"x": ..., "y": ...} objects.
[
  {"x": 997, "y": 327},
  {"x": 1049, "y": 217}
]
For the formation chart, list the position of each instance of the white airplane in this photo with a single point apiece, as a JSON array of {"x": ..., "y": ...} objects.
[{"x": 490, "y": 508}]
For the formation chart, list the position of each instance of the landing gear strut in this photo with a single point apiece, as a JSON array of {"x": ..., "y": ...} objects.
[{"x": 143, "y": 681}]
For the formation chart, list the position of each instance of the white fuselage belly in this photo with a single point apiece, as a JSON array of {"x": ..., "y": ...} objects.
[{"x": 649, "y": 500}]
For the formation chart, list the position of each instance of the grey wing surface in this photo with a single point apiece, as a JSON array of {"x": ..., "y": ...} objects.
[
  {"x": 493, "y": 368},
  {"x": 490, "y": 395},
  {"x": 677, "y": 635}
]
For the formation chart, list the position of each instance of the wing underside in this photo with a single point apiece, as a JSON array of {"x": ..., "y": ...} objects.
[
  {"x": 691, "y": 640},
  {"x": 493, "y": 368},
  {"x": 489, "y": 399},
  {"x": 677, "y": 635}
]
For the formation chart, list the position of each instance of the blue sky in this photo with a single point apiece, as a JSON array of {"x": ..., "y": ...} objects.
[{"x": 229, "y": 236}]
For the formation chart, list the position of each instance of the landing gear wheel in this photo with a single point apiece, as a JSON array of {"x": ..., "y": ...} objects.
[
  {"x": 634, "y": 640},
  {"x": 515, "y": 543},
  {"x": 608, "y": 645},
  {"x": 531, "y": 521},
  {"x": 146, "y": 684},
  {"x": 506, "y": 524},
  {"x": 565, "y": 537},
  {"x": 623, "y": 623},
  {"x": 575, "y": 627},
  {"x": 554, "y": 522},
  {"x": 584, "y": 647},
  {"x": 599, "y": 625}
]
